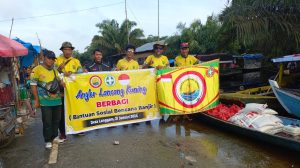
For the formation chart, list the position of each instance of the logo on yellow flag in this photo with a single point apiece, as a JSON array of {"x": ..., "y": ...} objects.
[{"x": 188, "y": 90}]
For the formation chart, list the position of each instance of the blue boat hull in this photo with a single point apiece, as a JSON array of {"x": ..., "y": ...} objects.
[{"x": 290, "y": 102}]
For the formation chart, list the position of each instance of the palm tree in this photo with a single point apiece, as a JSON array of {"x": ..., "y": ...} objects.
[
  {"x": 201, "y": 37},
  {"x": 114, "y": 37},
  {"x": 269, "y": 26}
]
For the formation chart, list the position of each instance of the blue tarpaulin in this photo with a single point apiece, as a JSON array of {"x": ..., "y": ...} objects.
[
  {"x": 171, "y": 61},
  {"x": 33, "y": 51},
  {"x": 37, "y": 48},
  {"x": 252, "y": 56}
]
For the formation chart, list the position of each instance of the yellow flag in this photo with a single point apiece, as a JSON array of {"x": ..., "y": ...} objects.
[{"x": 188, "y": 89}]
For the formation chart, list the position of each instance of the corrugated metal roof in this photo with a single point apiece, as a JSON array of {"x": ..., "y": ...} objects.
[{"x": 147, "y": 46}]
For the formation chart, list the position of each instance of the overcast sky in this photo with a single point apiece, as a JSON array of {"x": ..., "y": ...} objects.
[{"x": 79, "y": 27}]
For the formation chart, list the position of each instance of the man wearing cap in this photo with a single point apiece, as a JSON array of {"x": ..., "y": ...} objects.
[
  {"x": 97, "y": 64},
  {"x": 67, "y": 65},
  {"x": 185, "y": 59},
  {"x": 157, "y": 60},
  {"x": 128, "y": 63},
  {"x": 45, "y": 83}
]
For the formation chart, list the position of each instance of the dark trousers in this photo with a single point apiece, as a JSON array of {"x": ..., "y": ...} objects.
[
  {"x": 51, "y": 116},
  {"x": 62, "y": 128}
]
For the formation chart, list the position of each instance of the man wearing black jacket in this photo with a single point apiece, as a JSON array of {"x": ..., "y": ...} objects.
[{"x": 97, "y": 64}]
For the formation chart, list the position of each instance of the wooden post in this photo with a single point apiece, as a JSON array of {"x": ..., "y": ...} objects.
[
  {"x": 158, "y": 20},
  {"x": 11, "y": 26},
  {"x": 41, "y": 55},
  {"x": 14, "y": 78},
  {"x": 280, "y": 74},
  {"x": 126, "y": 21}
]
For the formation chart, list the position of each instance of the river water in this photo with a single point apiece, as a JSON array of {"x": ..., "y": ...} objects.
[{"x": 162, "y": 143}]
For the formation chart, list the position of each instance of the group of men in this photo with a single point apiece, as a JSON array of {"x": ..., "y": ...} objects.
[
  {"x": 157, "y": 59},
  {"x": 47, "y": 86}
]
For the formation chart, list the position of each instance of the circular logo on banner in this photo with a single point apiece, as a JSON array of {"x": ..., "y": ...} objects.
[
  {"x": 189, "y": 89},
  {"x": 210, "y": 72},
  {"x": 109, "y": 80},
  {"x": 95, "y": 81}
]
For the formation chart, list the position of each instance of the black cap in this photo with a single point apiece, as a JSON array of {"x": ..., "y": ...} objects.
[
  {"x": 130, "y": 46},
  {"x": 48, "y": 53}
]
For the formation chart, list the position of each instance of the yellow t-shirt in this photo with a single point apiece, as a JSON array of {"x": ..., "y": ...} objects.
[
  {"x": 157, "y": 61},
  {"x": 73, "y": 65},
  {"x": 123, "y": 64},
  {"x": 190, "y": 60},
  {"x": 40, "y": 76}
]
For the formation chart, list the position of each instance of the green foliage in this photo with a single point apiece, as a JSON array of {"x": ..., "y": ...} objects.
[
  {"x": 152, "y": 38},
  {"x": 85, "y": 58},
  {"x": 173, "y": 46},
  {"x": 271, "y": 27},
  {"x": 268, "y": 26},
  {"x": 113, "y": 38},
  {"x": 76, "y": 54},
  {"x": 201, "y": 38}
]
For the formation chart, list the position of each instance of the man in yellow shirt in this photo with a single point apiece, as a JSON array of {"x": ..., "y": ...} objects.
[
  {"x": 67, "y": 65},
  {"x": 157, "y": 60},
  {"x": 128, "y": 63},
  {"x": 185, "y": 59}
]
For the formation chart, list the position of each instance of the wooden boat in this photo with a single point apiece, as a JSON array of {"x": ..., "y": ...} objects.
[
  {"x": 237, "y": 71},
  {"x": 263, "y": 95},
  {"x": 227, "y": 67},
  {"x": 258, "y": 94},
  {"x": 289, "y": 98},
  {"x": 280, "y": 139},
  {"x": 249, "y": 62}
]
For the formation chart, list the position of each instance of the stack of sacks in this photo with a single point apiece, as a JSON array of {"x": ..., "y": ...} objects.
[
  {"x": 292, "y": 130},
  {"x": 258, "y": 117}
]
